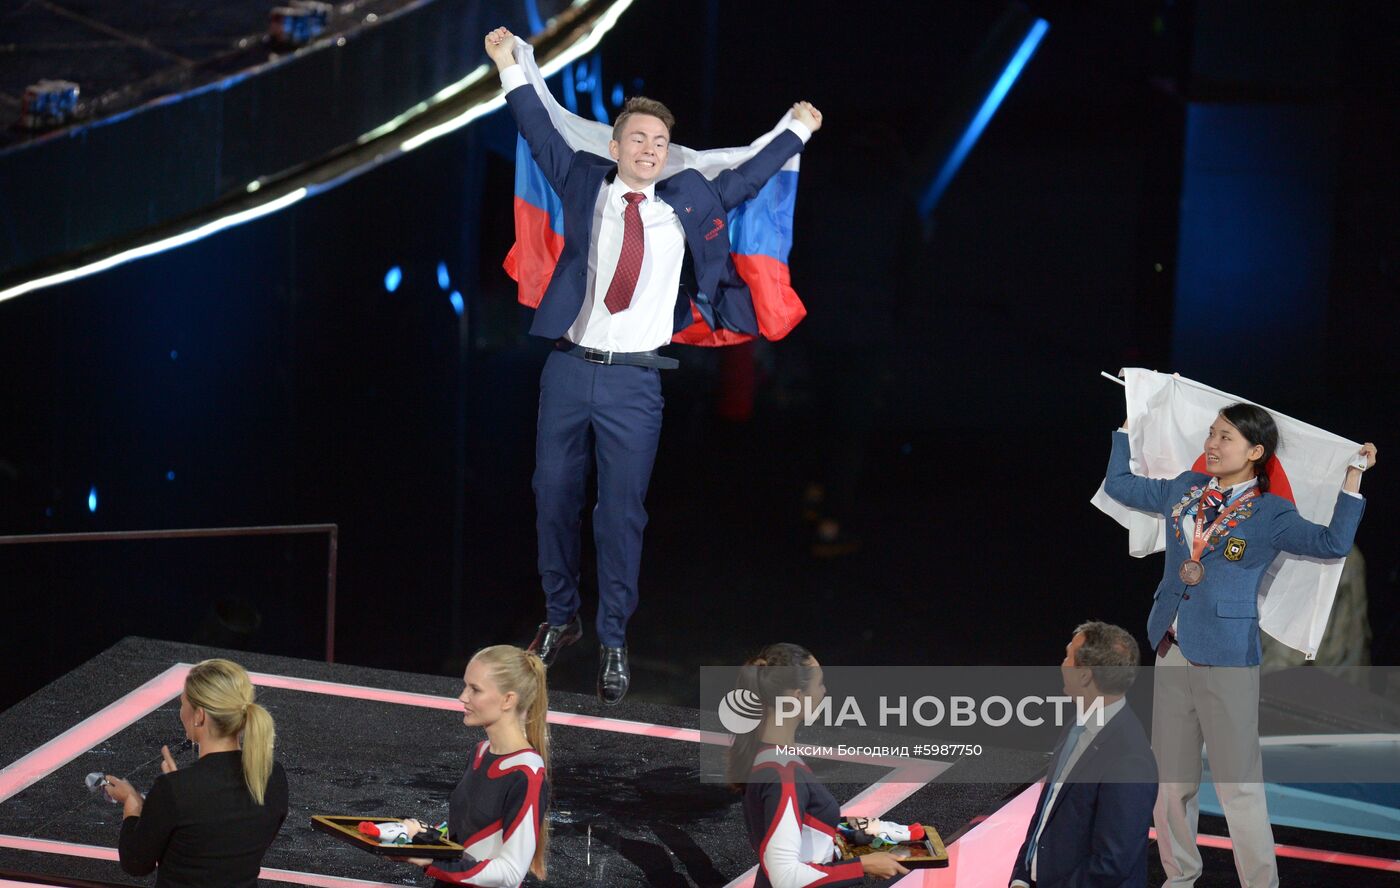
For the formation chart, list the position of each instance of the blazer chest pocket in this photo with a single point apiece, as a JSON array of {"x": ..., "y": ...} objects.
[{"x": 1244, "y": 610}]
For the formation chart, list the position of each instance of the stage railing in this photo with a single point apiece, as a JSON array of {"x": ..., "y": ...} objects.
[{"x": 332, "y": 532}]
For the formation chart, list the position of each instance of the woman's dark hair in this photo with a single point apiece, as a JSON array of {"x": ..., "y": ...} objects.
[
  {"x": 1258, "y": 427},
  {"x": 770, "y": 673}
]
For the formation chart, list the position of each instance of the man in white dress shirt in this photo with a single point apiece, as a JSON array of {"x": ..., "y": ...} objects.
[{"x": 621, "y": 287}]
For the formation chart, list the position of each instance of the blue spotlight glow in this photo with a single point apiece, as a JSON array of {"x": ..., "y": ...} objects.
[
  {"x": 586, "y": 77},
  {"x": 170, "y": 475},
  {"x": 444, "y": 279},
  {"x": 984, "y": 114},
  {"x": 600, "y": 111},
  {"x": 617, "y": 95},
  {"x": 92, "y": 499},
  {"x": 174, "y": 355},
  {"x": 532, "y": 15},
  {"x": 570, "y": 95},
  {"x": 583, "y": 75},
  {"x": 457, "y": 304},
  {"x": 392, "y": 278}
]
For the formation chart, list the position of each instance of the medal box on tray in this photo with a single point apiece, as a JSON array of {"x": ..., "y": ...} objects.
[
  {"x": 924, "y": 852},
  {"x": 428, "y": 843}
]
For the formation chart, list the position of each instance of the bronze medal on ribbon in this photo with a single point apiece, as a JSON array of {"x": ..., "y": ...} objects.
[{"x": 1191, "y": 572}]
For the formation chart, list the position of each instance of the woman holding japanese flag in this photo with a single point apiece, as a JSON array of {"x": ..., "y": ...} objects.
[{"x": 1224, "y": 530}]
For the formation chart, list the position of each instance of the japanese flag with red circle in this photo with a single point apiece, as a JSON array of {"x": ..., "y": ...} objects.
[{"x": 1168, "y": 418}]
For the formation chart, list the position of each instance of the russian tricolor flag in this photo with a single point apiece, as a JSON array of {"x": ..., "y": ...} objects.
[{"x": 760, "y": 230}]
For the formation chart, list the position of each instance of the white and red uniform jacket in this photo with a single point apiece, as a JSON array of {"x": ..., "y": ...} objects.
[
  {"x": 791, "y": 819},
  {"x": 496, "y": 814}
]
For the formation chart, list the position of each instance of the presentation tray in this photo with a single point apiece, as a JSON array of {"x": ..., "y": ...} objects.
[{"x": 347, "y": 829}]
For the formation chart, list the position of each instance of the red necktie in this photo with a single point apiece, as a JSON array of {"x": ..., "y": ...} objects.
[{"x": 629, "y": 261}]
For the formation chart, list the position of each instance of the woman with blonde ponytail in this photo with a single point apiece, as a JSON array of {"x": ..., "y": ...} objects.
[
  {"x": 497, "y": 810},
  {"x": 211, "y": 823}
]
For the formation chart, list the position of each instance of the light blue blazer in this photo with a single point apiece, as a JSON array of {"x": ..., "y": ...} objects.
[{"x": 1218, "y": 620}]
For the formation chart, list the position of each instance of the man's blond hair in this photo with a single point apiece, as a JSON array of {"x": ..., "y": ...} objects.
[{"x": 643, "y": 105}]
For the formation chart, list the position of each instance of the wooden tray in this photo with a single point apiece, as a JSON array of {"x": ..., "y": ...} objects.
[
  {"x": 926, "y": 853},
  {"x": 347, "y": 829}
]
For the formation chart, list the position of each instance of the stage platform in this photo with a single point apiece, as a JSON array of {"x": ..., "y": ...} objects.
[{"x": 629, "y": 807}]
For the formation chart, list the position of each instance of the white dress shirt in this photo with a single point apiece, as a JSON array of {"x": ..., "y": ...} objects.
[
  {"x": 646, "y": 323},
  {"x": 1092, "y": 727}
]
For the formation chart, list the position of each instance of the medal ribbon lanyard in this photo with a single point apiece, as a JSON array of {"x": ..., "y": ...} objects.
[{"x": 1202, "y": 533}]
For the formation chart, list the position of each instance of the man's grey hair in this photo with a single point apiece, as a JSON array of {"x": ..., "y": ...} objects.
[{"x": 1111, "y": 654}]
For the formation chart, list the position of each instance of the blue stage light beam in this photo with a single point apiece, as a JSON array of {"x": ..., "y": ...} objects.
[
  {"x": 989, "y": 106},
  {"x": 586, "y": 77},
  {"x": 570, "y": 94},
  {"x": 532, "y": 15},
  {"x": 92, "y": 499},
  {"x": 392, "y": 278},
  {"x": 444, "y": 279},
  {"x": 600, "y": 111},
  {"x": 457, "y": 304}
]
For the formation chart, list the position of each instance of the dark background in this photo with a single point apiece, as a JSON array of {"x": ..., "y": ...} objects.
[{"x": 1204, "y": 188}]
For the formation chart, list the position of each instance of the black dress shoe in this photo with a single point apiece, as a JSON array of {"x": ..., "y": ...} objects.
[
  {"x": 614, "y": 676},
  {"x": 550, "y": 640}
]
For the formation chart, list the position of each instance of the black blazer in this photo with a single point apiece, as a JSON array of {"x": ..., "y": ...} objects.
[
  {"x": 202, "y": 827},
  {"x": 1096, "y": 834}
]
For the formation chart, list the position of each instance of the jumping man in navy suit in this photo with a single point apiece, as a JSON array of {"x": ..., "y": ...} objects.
[
  {"x": 1090, "y": 824},
  {"x": 621, "y": 287}
]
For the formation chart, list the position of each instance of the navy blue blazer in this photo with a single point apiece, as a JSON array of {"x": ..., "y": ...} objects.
[
  {"x": 1218, "y": 619},
  {"x": 711, "y": 281},
  {"x": 1096, "y": 834}
]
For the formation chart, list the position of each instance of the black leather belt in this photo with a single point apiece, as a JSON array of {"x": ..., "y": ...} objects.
[{"x": 632, "y": 359}]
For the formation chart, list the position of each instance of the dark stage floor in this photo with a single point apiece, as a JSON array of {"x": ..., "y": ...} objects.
[
  {"x": 629, "y": 806},
  {"x": 651, "y": 821}
]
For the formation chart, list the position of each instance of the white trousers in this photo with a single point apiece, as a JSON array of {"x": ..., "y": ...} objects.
[{"x": 1217, "y": 705}]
